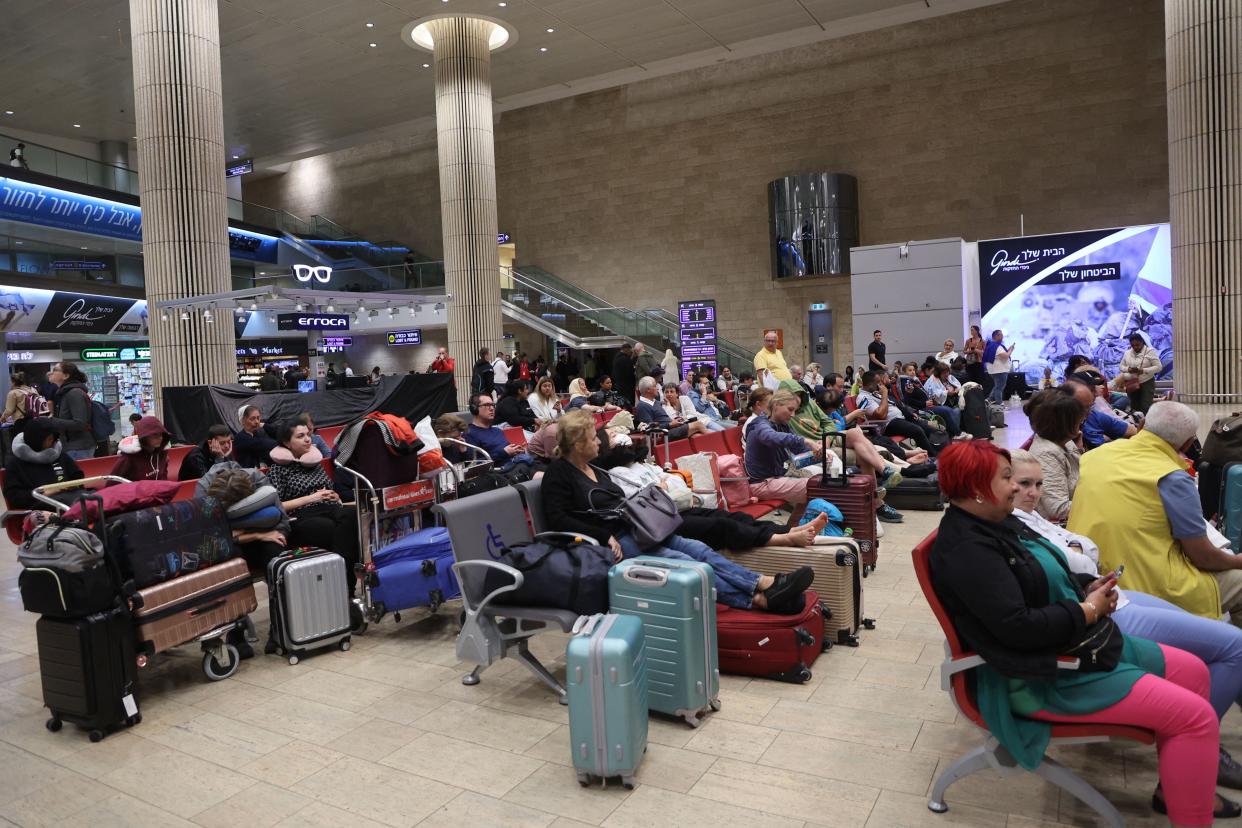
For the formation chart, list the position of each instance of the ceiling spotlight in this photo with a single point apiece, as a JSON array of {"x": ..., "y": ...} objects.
[
  {"x": 330, "y": 309},
  {"x": 207, "y": 316},
  {"x": 372, "y": 45},
  {"x": 274, "y": 295},
  {"x": 550, "y": 30},
  {"x": 240, "y": 309},
  {"x": 543, "y": 48},
  {"x": 185, "y": 316},
  {"x": 392, "y": 313},
  {"x": 77, "y": 126},
  {"x": 83, "y": 248},
  {"x": 271, "y": 317},
  {"x": 299, "y": 307},
  {"x": 502, "y": 4},
  {"x": 426, "y": 65},
  {"x": 163, "y": 316},
  {"x": 8, "y": 112},
  {"x": 370, "y": 25},
  {"x": 254, "y": 306}
]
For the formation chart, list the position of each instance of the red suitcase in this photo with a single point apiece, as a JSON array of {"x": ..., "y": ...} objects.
[
  {"x": 855, "y": 496},
  {"x": 781, "y": 647}
]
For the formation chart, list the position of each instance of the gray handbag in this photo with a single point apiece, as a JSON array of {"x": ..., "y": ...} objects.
[{"x": 652, "y": 516}]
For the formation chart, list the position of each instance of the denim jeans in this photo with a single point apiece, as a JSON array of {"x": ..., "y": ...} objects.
[
  {"x": 81, "y": 454},
  {"x": 1217, "y": 643},
  {"x": 735, "y": 584},
  {"x": 997, "y": 394},
  {"x": 951, "y": 416}
]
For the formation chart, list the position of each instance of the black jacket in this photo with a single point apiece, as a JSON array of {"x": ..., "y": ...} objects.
[
  {"x": 26, "y": 469},
  {"x": 515, "y": 412},
  {"x": 623, "y": 375},
  {"x": 195, "y": 464},
  {"x": 567, "y": 501},
  {"x": 251, "y": 450},
  {"x": 482, "y": 378},
  {"x": 996, "y": 593}
]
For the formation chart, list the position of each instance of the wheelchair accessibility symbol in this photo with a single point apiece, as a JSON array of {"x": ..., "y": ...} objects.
[{"x": 495, "y": 544}]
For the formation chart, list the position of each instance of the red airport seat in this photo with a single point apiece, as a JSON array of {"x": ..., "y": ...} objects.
[
  {"x": 953, "y": 679},
  {"x": 713, "y": 441},
  {"x": 733, "y": 440},
  {"x": 329, "y": 434}
]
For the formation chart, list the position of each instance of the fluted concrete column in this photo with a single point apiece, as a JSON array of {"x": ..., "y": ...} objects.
[
  {"x": 467, "y": 188},
  {"x": 185, "y": 243},
  {"x": 1203, "y": 67}
]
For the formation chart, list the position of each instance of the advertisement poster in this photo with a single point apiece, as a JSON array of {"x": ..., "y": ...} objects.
[
  {"x": 30, "y": 310},
  {"x": 1079, "y": 293}
]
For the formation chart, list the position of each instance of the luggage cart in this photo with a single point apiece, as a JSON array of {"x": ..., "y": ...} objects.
[{"x": 220, "y": 659}]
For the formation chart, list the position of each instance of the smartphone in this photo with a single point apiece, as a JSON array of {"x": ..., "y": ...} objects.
[{"x": 1118, "y": 572}]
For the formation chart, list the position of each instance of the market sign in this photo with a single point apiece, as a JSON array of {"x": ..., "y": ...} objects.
[
  {"x": 115, "y": 354},
  {"x": 409, "y": 337}
]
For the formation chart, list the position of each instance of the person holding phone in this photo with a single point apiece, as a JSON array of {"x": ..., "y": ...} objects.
[
  {"x": 1013, "y": 599},
  {"x": 997, "y": 365},
  {"x": 1139, "y": 614}
]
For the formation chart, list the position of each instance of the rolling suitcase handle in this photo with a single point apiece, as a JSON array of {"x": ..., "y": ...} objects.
[{"x": 842, "y": 480}]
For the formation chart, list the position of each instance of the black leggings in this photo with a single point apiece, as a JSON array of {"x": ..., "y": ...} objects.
[
  {"x": 908, "y": 428},
  {"x": 335, "y": 528},
  {"x": 726, "y": 530}
]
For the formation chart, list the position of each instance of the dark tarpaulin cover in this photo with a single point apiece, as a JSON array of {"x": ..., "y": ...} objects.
[{"x": 188, "y": 411}]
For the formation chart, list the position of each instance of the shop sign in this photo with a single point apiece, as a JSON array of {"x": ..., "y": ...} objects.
[
  {"x": 502, "y": 238},
  {"x": 82, "y": 313},
  {"x": 115, "y": 354},
  {"x": 409, "y": 337},
  {"x": 71, "y": 265},
  {"x": 334, "y": 344},
  {"x": 320, "y": 273},
  {"x": 312, "y": 322},
  {"x": 127, "y": 328},
  {"x": 33, "y": 356}
]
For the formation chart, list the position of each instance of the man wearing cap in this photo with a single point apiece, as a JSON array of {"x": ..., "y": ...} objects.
[{"x": 1100, "y": 427}]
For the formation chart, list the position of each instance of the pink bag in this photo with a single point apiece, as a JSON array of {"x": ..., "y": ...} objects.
[
  {"x": 733, "y": 481},
  {"x": 128, "y": 497}
]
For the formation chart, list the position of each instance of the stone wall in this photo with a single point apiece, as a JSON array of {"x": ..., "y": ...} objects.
[{"x": 656, "y": 191}]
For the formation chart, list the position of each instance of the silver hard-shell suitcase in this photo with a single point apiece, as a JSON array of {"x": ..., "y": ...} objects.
[{"x": 308, "y": 603}]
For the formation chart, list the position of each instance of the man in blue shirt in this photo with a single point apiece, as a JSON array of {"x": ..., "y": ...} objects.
[
  {"x": 1099, "y": 428},
  {"x": 482, "y": 434}
]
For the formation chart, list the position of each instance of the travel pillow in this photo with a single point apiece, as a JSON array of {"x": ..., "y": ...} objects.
[{"x": 260, "y": 510}]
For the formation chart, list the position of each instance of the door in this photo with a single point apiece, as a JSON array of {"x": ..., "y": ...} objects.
[{"x": 819, "y": 323}]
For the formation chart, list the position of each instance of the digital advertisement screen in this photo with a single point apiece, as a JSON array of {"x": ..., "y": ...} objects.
[{"x": 1082, "y": 293}]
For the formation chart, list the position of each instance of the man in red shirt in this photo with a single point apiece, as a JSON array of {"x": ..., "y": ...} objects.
[{"x": 443, "y": 364}]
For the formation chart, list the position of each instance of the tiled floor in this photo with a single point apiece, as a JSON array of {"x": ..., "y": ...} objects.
[{"x": 387, "y": 735}]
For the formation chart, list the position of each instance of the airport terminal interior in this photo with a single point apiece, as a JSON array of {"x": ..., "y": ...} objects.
[{"x": 621, "y": 413}]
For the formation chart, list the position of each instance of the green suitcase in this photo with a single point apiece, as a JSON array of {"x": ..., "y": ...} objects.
[
  {"x": 676, "y": 601},
  {"x": 606, "y": 682}
]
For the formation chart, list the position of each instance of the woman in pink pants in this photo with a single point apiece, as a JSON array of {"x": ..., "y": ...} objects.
[{"x": 1013, "y": 599}]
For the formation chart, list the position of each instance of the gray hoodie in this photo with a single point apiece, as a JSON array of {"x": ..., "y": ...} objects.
[{"x": 73, "y": 416}]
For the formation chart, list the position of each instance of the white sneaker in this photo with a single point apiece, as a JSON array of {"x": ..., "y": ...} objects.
[{"x": 879, "y": 528}]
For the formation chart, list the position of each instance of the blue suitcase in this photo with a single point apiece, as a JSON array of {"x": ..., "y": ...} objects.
[
  {"x": 415, "y": 571},
  {"x": 1230, "y": 506},
  {"x": 676, "y": 601},
  {"x": 606, "y": 682}
]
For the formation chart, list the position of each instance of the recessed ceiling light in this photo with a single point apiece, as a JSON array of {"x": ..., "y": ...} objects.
[
  {"x": 550, "y": 31},
  {"x": 8, "y": 112},
  {"x": 235, "y": 157},
  {"x": 543, "y": 48},
  {"x": 373, "y": 45},
  {"x": 83, "y": 248},
  {"x": 77, "y": 126},
  {"x": 426, "y": 65},
  {"x": 370, "y": 25},
  {"x": 502, "y": 5}
]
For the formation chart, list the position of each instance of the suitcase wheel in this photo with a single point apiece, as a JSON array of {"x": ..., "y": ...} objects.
[
  {"x": 627, "y": 782},
  {"x": 584, "y": 778},
  {"x": 396, "y": 616},
  {"x": 54, "y": 724},
  {"x": 96, "y": 735},
  {"x": 715, "y": 705},
  {"x": 293, "y": 659},
  {"x": 826, "y": 646},
  {"x": 136, "y": 719},
  {"x": 850, "y": 641},
  {"x": 344, "y": 645},
  {"x": 214, "y": 670},
  {"x": 868, "y": 623},
  {"x": 804, "y": 674}
]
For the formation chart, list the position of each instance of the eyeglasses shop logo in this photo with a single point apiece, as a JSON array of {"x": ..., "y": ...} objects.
[
  {"x": 320, "y": 273},
  {"x": 312, "y": 322}
]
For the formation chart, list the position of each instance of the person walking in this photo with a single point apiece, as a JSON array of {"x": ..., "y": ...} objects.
[{"x": 73, "y": 410}]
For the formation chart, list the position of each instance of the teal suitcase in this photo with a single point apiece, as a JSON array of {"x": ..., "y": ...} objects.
[
  {"x": 676, "y": 601},
  {"x": 606, "y": 671},
  {"x": 1231, "y": 505}
]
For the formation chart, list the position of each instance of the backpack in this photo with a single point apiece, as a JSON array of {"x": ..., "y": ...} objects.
[
  {"x": 65, "y": 571},
  {"x": 101, "y": 420},
  {"x": 975, "y": 420},
  {"x": 36, "y": 405}
]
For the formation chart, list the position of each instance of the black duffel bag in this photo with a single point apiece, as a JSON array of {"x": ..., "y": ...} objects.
[{"x": 571, "y": 576}]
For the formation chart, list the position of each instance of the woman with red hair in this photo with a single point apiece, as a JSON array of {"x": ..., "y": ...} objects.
[{"x": 1013, "y": 599}]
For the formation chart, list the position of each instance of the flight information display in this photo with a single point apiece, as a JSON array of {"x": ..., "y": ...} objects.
[{"x": 697, "y": 323}]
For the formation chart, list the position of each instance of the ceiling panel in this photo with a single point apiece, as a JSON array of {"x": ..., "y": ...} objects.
[{"x": 300, "y": 75}]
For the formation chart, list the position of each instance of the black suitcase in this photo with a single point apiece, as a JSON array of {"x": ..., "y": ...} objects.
[
  {"x": 88, "y": 669},
  {"x": 917, "y": 493},
  {"x": 975, "y": 420}
]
